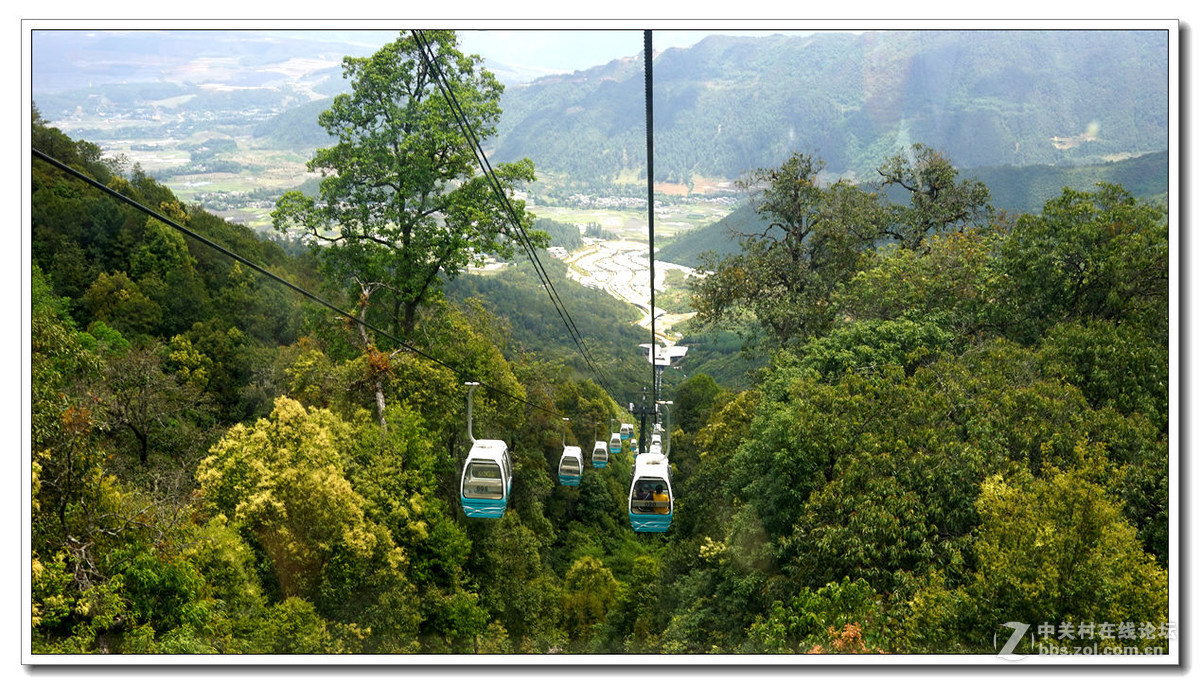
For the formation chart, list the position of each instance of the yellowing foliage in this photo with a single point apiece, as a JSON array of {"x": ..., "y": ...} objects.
[{"x": 284, "y": 479}]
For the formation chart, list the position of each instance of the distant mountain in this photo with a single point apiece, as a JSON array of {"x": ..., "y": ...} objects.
[
  {"x": 1013, "y": 190},
  {"x": 731, "y": 104},
  {"x": 722, "y": 107},
  {"x": 1026, "y": 189},
  {"x": 296, "y": 128}
]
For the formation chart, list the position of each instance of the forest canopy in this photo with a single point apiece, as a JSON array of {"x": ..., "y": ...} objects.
[{"x": 962, "y": 420}]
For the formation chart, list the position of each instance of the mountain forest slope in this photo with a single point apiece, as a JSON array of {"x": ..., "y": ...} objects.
[
  {"x": 209, "y": 475},
  {"x": 992, "y": 101}
]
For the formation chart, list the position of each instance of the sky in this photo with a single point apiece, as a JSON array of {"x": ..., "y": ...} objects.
[
  {"x": 559, "y": 50},
  {"x": 68, "y": 55}
]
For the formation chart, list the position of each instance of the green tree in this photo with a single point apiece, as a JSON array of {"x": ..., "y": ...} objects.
[
  {"x": 710, "y": 503},
  {"x": 140, "y": 396},
  {"x": 814, "y": 621},
  {"x": 517, "y": 588},
  {"x": 694, "y": 400},
  {"x": 952, "y": 282},
  {"x": 937, "y": 200},
  {"x": 1050, "y": 550},
  {"x": 119, "y": 302},
  {"x": 637, "y": 621},
  {"x": 80, "y": 154},
  {"x": 872, "y": 345},
  {"x": 294, "y": 626},
  {"x": 397, "y": 473},
  {"x": 785, "y": 274},
  {"x": 1114, "y": 365},
  {"x": 1088, "y": 255},
  {"x": 400, "y": 209},
  {"x": 282, "y": 479},
  {"x": 590, "y": 591}
]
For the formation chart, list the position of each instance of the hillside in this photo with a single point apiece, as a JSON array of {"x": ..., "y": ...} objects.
[
  {"x": 718, "y": 237},
  {"x": 722, "y": 107},
  {"x": 209, "y": 477},
  {"x": 1015, "y": 190},
  {"x": 1026, "y": 189},
  {"x": 729, "y": 104},
  {"x": 535, "y": 328},
  {"x": 900, "y": 431}
]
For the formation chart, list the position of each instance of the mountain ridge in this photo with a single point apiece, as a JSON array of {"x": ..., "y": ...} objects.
[{"x": 730, "y": 104}]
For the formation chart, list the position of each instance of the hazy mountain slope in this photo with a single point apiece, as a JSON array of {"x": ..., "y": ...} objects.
[
  {"x": 297, "y": 127},
  {"x": 1013, "y": 189},
  {"x": 729, "y": 104},
  {"x": 718, "y": 237},
  {"x": 1027, "y": 189}
]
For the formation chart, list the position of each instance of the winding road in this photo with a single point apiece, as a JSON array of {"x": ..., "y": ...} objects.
[{"x": 622, "y": 269}]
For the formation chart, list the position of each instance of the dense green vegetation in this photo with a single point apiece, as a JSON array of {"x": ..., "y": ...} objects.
[
  {"x": 564, "y": 235},
  {"x": 532, "y": 326},
  {"x": 957, "y": 419},
  {"x": 209, "y": 476},
  {"x": 1025, "y": 190}
]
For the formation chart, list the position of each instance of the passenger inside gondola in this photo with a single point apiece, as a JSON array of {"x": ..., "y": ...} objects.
[
  {"x": 662, "y": 505},
  {"x": 644, "y": 499}
]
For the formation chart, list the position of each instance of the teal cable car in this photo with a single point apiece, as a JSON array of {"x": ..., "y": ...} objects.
[
  {"x": 651, "y": 498},
  {"x": 600, "y": 455},
  {"x": 614, "y": 444},
  {"x": 570, "y": 465},
  {"x": 486, "y": 481},
  {"x": 626, "y": 432}
]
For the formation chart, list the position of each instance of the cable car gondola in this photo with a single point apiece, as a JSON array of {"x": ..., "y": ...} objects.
[
  {"x": 614, "y": 444},
  {"x": 600, "y": 455},
  {"x": 570, "y": 465},
  {"x": 487, "y": 473},
  {"x": 626, "y": 432},
  {"x": 651, "y": 499}
]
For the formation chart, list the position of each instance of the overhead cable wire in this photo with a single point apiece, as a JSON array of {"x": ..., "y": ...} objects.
[
  {"x": 521, "y": 236},
  {"x": 283, "y": 281}
]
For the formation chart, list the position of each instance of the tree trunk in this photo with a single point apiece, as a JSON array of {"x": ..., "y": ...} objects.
[
  {"x": 143, "y": 444},
  {"x": 410, "y": 318},
  {"x": 380, "y": 399},
  {"x": 376, "y": 381},
  {"x": 380, "y": 403}
]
